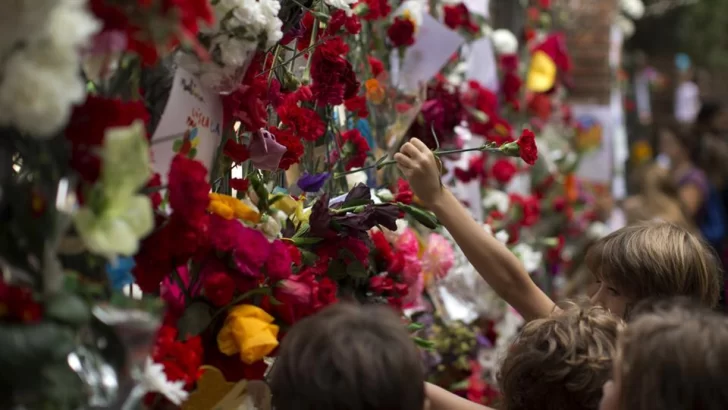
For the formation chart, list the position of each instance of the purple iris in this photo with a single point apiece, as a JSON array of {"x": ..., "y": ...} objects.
[{"x": 312, "y": 183}]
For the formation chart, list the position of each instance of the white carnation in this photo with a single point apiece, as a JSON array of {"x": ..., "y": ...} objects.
[
  {"x": 341, "y": 4},
  {"x": 504, "y": 41},
  {"x": 40, "y": 81},
  {"x": 530, "y": 258},
  {"x": 356, "y": 178},
  {"x": 633, "y": 8},
  {"x": 236, "y": 51},
  {"x": 498, "y": 200}
]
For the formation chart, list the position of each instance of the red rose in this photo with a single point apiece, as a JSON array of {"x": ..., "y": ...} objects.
[
  {"x": 503, "y": 170},
  {"x": 402, "y": 32},
  {"x": 219, "y": 288},
  {"x": 527, "y": 145}
]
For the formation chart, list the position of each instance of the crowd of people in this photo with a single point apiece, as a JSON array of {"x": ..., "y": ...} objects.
[{"x": 651, "y": 335}]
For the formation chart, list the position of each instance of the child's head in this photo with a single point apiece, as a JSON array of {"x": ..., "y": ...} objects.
[
  {"x": 560, "y": 362},
  {"x": 348, "y": 357},
  {"x": 671, "y": 358},
  {"x": 652, "y": 259}
]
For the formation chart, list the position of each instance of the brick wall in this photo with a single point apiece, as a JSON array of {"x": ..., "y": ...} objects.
[{"x": 587, "y": 24}]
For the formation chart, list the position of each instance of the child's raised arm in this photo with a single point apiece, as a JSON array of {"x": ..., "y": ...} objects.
[
  {"x": 441, "y": 399},
  {"x": 496, "y": 264}
]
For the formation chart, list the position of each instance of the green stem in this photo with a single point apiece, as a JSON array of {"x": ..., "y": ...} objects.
[
  {"x": 307, "y": 72},
  {"x": 483, "y": 148}
]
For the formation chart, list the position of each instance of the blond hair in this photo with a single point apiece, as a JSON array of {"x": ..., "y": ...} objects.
[
  {"x": 674, "y": 357},
  {"x": 560, "y": 362},
  {"x": 657, "y": 259},
  {"x": 658, "y": 198}
]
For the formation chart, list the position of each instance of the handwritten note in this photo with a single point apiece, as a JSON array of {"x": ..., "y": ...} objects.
[
  {"x": 434, "y": 44},
  {"x": 191, "y": 124}
]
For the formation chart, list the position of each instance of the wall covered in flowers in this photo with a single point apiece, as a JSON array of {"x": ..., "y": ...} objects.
[{"x": 182, "y": 181}]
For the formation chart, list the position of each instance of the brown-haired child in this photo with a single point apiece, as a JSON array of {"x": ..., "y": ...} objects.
[
  {"x": 659, "y": 257},
  {"x": 673, "y": 357},
  {"x": 556, "y": 363},
  {"x": 348, "y": 357}
]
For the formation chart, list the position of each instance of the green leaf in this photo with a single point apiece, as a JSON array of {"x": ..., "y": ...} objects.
[
  {"x": 356, "y": 270},
  {"x": 68, "y": 308},
  {"x": 177, "y": 145},
  {"x": 426, "y": 218},
  {"x": 308, "y": 258},
  {"x": 192, "y": 154},
  {"x": 414, "y": 326},
  {"x": 306, "y": 241},
  {"x": 302, "y": 230},
  {"x": 425, "y": 344},
  {"x": 194, "y": 320}
]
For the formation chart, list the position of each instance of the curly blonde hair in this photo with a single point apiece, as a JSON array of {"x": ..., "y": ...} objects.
[{"x": 560, "y": 362}]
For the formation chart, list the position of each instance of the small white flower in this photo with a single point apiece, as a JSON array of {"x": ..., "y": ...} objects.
[
  {"x": 504, "y": 41},
  {"x": 356, "y": 178},
  {"x": 502, "y": 237},
  {"x": 385, "y": 195},
  {"x": 270, "y": 227},
  {"x": 626, "y": 25},
  {"x": 415, "y": 11},
  {"x": 498, "y": 200},
  {"x": 154, "y": 380},
  {"x": 597, "y": 230},
  {"x": 633, "y": 8},
  {"x": 530, "y": 258}
]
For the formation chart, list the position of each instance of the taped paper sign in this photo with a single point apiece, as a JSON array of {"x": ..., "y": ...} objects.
[
  {"x": 434, "y": 44},
  {"x": 190, "y": 125}
]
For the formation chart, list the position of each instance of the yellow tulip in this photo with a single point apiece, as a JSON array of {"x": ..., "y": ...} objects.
[{"x": 249, "y": 331}]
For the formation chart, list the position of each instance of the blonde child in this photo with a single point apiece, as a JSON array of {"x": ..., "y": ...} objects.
[
  {"x": 652, "y": 259},
  {"x": 557, "y": 363},
  {"x": 674, "y": 357}
]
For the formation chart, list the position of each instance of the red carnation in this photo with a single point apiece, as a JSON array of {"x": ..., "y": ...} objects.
[
  {"x": 357, "y": 105},
  {"x": 219, "y": 288},
  {"x": 304, "y": 122},
  {"x": 402, "y": 32},
  {"x": 527, "y": 145},
  {"x": 376, "y": 65},
  {"x": 334, "y": 79},
  {"x": 188, "y": 188},
  {"x": 404, "y": 192},
  {"x": 237, "y": 152},
  {"x": 294, "y": 147},
  {"x": 239, "y": 184},
  {"x": 355, "y": 149},
  {"x": 376, "y": 9},
  {"x": 504, "y": 170}
]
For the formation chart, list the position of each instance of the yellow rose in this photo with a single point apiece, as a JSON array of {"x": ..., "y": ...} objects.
[
  {"x": 250, "y": 331},
  {"x": 228, "y": 207}
]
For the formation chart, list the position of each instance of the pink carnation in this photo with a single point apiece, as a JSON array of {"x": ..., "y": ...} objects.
[{"x": 278, "y": 265}]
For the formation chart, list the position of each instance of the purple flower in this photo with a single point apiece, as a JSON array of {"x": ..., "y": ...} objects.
[{"x": 312, "y": 183}]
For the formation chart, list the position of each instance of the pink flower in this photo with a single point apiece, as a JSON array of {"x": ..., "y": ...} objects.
[
  {"x": 438, "y": 257},
  {"x": 296, "y": 289},
  {"x": 252, "y": 253}
]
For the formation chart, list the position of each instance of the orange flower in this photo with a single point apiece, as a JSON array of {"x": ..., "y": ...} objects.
[{"x": 374, "y": 91}]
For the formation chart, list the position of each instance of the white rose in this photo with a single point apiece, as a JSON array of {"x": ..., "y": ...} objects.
[{"x": 504, "y": 41}]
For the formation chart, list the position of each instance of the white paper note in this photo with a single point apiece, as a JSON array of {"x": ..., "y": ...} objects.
[
  {"x": 434, "y": 44},
  {"x": 192, "y": 122}
]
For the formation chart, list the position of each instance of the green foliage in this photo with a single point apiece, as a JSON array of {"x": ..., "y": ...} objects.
[{"x": 703, "y": 32}]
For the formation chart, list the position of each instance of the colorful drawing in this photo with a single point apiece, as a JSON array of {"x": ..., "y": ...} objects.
[
  {"x": 188, "y": 144},
  {"x": 588, "y": 133}
]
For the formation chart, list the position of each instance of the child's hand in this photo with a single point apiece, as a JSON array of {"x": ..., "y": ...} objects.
[{"x": 422, "y": 170}]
